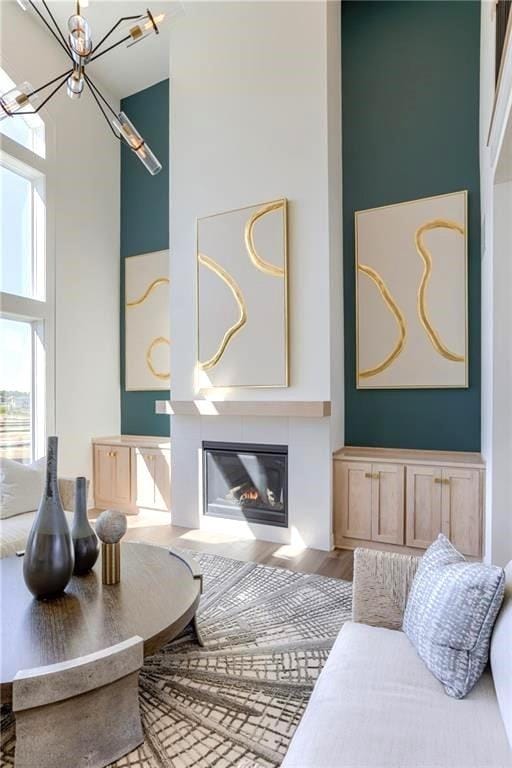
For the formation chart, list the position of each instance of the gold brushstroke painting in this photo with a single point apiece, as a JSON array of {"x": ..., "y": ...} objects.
[
  {"x": 411, "y": 294},
  {"x": 242, "y": 296},
  {"x": 147, "y": 322}
]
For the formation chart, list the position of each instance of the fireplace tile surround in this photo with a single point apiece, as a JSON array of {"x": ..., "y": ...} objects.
[{"x": 308, "y": 441}]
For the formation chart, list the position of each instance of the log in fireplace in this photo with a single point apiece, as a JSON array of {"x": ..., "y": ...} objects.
[{"x": 246, "y": 482}]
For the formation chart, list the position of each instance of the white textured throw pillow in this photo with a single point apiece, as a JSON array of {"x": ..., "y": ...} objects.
[
  {"x": 21, "y": 486},
  {"x": 450, "y": 613}
]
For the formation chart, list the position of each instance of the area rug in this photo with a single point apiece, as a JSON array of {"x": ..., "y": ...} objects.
[{"x": 236, "y": 702}]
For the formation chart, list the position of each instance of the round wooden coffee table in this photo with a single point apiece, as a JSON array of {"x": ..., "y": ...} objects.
[{"x": 156, "y": 599}]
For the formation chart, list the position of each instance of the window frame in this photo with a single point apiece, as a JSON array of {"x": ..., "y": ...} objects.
[{"x": 39, "y": 311}]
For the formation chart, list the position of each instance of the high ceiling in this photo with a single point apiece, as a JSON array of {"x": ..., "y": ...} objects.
[{"x": 125, "y": 70}]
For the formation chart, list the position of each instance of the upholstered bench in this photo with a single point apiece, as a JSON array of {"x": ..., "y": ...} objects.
[{"x": 376, "y": 705}]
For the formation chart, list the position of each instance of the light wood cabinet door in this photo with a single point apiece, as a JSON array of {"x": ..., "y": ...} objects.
[
  {"x": 355, "y": 500},
  {"x": 461, "y": 519},
  {"x": 112, "y": 476},
  {"x": 423, "y": 505},
  {"x": 152, "y": 478},
  {"x": 388, "y": 503}
]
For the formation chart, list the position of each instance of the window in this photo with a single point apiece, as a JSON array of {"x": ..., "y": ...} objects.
[
  {"x": 26, "y": 291},
  {"x": 27, "y": 130},
  {"x": 16, "y": 394}
]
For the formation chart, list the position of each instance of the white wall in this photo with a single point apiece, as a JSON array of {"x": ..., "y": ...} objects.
[
  {"x": 496, "y": 205},
  {"x": 334, "y": 144},
  {"x": 86, "y": 175},
  {"x": 500, "y": 533},
  {"x": 487, "y": 43},
  {"x": 255, "y": 105},
  {"x": 249, "y": 124}
]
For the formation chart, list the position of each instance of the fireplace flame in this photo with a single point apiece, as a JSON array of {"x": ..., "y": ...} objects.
[{"x": 250, "y": 495}]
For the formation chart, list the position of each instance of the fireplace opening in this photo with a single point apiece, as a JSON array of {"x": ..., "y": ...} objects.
[{"x": 246, "y": 482}]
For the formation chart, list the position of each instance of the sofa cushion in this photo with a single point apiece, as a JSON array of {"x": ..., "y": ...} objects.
[
  {"x": 15, "y": 530},
  {"x": 21, "y": 486},
  {"x": 375, "y": 705},
  {"x": 450, "y": 613},
  {"x": 501, "y": 655}
]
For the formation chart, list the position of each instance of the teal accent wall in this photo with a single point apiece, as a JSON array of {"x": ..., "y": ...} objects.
[
  {"x": 410, "y": 129},
  {"x": 144, "y": 228}
]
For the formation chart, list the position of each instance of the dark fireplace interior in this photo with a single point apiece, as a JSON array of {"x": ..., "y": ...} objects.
[{"x": 246, "y": 482}]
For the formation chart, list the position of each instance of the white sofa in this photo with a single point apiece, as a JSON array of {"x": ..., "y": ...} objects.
[
  {"x": 14, "y": 530},
  {"x": 376, "y": 705}
]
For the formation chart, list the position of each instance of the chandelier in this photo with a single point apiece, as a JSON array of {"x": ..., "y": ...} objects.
[{"x": 78, "y": 46}]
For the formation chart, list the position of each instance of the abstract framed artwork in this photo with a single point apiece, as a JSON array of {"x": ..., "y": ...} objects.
[
  {"x": 411, "y": 294},
  {"x": 147, "y": 313},
  {"x": 242, "y": 297}
]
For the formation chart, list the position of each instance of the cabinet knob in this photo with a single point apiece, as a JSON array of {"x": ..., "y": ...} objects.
[
  {"x": 442, "y": 480},
  {"x": 372, "y": 475}
]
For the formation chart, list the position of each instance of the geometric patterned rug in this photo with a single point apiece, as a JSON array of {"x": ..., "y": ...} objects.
[{"x": 237, "y": 701}]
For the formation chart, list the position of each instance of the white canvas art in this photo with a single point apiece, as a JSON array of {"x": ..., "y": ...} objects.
[
  {"x": 147, "y": 319},
  {"x": 411, "y": 276},
  {"x": 242, "y": 298}
]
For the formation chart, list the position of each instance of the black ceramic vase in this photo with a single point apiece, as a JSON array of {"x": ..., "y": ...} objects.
[
  {"x": 48, "y": 560},
  {"x": 85, "y": 541}
]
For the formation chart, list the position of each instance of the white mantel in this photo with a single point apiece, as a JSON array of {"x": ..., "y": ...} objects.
[{"x": 255, "y": 100}]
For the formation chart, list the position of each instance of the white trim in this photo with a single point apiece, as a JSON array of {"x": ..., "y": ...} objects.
[
  {"x": 503, "y": 101},
  {"x": 20, "y": 159},
  {"x": 39, "y": 309},
  {"x": 22, "y": 308}
]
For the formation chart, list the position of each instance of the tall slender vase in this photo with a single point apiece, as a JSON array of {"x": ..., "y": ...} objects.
[
  {"x": 85, "y": 541},
  {"x": 49, "y": 558}
]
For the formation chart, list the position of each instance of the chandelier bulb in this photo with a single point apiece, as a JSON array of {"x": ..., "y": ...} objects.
[
  {"x": 80, "y": 38},
  {"x": 75, "y": 84},
  {"x": 16, "y": 100},
  {"x": 147, "y": 25},
  {"x": 128, "y": 132}
]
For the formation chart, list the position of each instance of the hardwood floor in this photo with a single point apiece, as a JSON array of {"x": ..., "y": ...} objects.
[{"x": 154, "y": 528}]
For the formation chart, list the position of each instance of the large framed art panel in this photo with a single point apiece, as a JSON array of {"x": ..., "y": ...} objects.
[
  {"x": 242, "y": 297},
  {"x": 411, "y": 294},
  {"x": 147, "y": 321}
]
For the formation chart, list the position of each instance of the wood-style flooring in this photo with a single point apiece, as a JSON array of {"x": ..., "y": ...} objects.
[{"x": 154, "y": 528}]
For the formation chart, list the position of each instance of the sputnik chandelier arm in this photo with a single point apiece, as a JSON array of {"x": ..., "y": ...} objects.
[
  {"x": 79, "y": 48},
  {"x": 112, "y": 30},
  {"x": 55, "y": 30},
  {"x": 100, "y": 107}
]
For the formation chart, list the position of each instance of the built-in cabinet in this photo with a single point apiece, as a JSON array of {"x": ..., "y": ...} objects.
[
  {"x": 112, "y": 476},
  {"x": 403, "y": 499},
  {"x": 132, "y": 473},
  {"x": 370, "y": 497}
]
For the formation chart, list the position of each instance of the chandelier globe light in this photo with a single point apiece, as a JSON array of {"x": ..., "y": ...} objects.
[{"x": 79, "y": 47}]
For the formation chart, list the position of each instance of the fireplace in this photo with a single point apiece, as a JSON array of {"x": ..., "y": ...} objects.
[{"x": 246, "y": 482}]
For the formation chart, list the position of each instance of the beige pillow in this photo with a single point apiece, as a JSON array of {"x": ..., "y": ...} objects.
[{"x": 21, "y": 486}]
